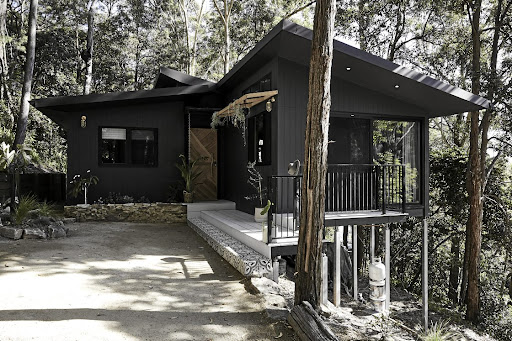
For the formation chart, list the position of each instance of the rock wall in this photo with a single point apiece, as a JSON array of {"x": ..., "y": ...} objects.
[{"x": 137, "y": 213}]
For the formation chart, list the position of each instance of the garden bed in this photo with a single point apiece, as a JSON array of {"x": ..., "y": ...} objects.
[{"x": 133, "y": 212}]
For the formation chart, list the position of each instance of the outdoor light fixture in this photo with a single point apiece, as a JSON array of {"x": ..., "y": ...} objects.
[
  {"x": 268, "y": 106},
  {"x": 349, "y": 68},
  {"x": 83, "y": 121},
  {"x": 397, "y": 86}
]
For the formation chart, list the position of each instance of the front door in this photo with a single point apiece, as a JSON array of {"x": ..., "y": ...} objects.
[{"x": 203, "y": 143}]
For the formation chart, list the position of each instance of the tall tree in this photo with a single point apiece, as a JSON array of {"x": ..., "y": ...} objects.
[
  {"x": 87, "y": 54},
  {"x": 309, "y": 256},
  {"x": 21, "y": 129},
  {"x": 225, "y": 15}
]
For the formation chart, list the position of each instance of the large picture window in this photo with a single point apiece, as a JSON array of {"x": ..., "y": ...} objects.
[
  {"x": 128, "y": 146},
  {"x": 398, "y": 142}
]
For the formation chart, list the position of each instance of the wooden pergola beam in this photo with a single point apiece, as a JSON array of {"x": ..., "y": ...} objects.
[{"x": 247, "y": 101}]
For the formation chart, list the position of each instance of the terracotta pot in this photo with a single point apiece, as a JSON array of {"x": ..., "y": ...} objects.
[
  {"x": 257, "y": 215},
  {"x": 188, "y": 197}
]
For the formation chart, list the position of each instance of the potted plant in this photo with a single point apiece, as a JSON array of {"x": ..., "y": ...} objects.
[
  {"x": 81, "y": 184},
  {"x": 255, "y": 180},
  {"x": 189, "y": 173}
]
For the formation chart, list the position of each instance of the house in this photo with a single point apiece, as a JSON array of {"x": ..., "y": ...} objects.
[{"x": 378, "y": 128}]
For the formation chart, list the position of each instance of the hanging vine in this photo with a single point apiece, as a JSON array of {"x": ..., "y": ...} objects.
[{"x": 237, "y": 118}]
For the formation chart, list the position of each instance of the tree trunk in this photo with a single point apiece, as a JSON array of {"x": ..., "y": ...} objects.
[
  {"x": 21, "y": 129},
  {"x": 308, "y": 282},
  {"x": 225, "y": 15},
  {"x": 184, "y": 12},
  {"x": 87, "y": 55},
  {"x": 360, "y": 248},
  {"x": 4, "y": 66},
  {"x": 454, "y": 270},
  {"x": 475, "y": 181}
]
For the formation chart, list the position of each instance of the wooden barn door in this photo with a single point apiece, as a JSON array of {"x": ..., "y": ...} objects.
[{"x": 203, "y": 143}]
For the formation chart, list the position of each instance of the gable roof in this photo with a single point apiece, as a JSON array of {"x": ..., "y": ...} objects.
[
  {"x": 293, "y": 42},
  {"x": 168, "y": 78}
]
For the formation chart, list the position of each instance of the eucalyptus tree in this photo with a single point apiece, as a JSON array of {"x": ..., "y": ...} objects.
[{"x": 309, "y": 249}]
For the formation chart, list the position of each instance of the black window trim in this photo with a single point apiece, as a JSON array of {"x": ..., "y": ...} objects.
[
  {"x": 252, "y": 146},
  {"x": 128, "y": 156}
]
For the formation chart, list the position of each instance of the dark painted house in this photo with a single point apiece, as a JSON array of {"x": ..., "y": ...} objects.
[{"x": 379, "y": 113}]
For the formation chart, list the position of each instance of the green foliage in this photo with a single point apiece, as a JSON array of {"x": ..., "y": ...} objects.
[
  {"x": 47, "y": 210},
  {"x": 79, "y": 184},
  {"x": 440, "y": 331},
  {"x": 189, "y": 173},
  {"x": 6, "y": 156},
  {"x": 27, "y": 203}
]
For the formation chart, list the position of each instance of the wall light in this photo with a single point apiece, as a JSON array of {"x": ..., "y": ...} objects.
[
  {"x": 83, "y": 121},
  {"x": 268, "y": 106},
  {"x": 397, "y": 86}
]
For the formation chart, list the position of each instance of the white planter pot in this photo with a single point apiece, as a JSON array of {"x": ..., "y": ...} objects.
[{"x": 257, "y": 215}]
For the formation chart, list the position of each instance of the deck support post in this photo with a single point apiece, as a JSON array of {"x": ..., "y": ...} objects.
[
  {"x": 424, "y": 282},
  {"x": 354, "y": 262},
  {"x": 372, "y": 243},
  {"x": 388, "y": 267},
  {"x": 325, "y": 280},
  {"x": 337, "y": 267}
]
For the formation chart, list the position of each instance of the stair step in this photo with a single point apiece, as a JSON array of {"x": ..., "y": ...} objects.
[{"x": 244, "y": 259}]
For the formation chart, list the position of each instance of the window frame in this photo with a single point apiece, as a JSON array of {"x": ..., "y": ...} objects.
[
  {"x": 252, "y": 144},
  {"x": 128, "y": 149}
]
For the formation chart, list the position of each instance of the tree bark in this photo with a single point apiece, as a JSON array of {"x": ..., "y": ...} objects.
[
  {"x": 454, "y": 269},
  {"x": 474, "y": 233},
  {"x": 87, "y": 55},
  {"x": 21, "y": 129},
  {"x": 225, "y": 15},
  {"x": 309, "y": 255},
  {"x": 4, "y": 66}
]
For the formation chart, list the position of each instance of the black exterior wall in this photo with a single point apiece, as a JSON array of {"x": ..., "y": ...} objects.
[
  {"x": 233, "y": 166},
  {"x": 136, "y": 181}
]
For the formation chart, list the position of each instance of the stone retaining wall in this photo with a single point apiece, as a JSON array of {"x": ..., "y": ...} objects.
[{"x": 136, "y": 213}]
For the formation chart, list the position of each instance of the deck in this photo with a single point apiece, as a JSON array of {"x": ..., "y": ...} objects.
[{"x": 240, "y": 240}]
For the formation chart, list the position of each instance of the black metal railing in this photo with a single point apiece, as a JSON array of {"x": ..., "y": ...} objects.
[
  {"x": 283, "y": 216},
  {"x": 349, "y": 188}
]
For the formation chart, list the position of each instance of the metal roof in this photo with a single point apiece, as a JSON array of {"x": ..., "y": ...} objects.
[{"x": 293, "y": 42}]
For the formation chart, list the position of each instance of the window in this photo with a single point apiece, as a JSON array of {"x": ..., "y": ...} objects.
[
  {"x": 263, "y": 84},
  {"x": 259, "y": 138},
  {"x": 129, "y": 146},
  {"x": 398, "y": 142}
]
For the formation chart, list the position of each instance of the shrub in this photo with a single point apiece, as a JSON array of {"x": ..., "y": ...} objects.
[
  {"x": 27, "y": 203},
  {"x": 440, "y": 332}
]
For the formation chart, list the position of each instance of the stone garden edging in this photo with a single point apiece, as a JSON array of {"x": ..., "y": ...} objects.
[{"x": 133, "y": 212}]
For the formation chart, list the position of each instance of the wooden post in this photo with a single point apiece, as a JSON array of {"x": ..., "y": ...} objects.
[
  {"x": 424, "y": 282},
  {"x": 325, "y": 280},
  {"x": 354, "y": 261},
  {"x": 337, "y": 267},
  {"x": 388, "y": 268}
]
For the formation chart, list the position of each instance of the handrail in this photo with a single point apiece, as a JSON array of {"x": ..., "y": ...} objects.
[{"x": 349, "y": 188}]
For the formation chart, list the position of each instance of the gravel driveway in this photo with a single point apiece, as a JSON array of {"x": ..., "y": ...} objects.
[{"x": 124, "y": 281}]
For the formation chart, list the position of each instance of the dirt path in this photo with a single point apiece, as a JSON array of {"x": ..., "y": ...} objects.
[{"x": 121, "y": 281}]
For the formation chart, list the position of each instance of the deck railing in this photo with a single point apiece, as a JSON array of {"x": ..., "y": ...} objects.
[{"x": 349, "y": 188}]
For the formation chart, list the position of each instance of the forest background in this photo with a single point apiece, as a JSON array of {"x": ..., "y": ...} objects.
[{"x": 205, "y": 38}]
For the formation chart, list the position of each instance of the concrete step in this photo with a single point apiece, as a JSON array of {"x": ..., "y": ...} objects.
[
  {"x": 194, "y": 209},
  {"x": 246, "y": 260},
  {"x": 240, "y": 226}
]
